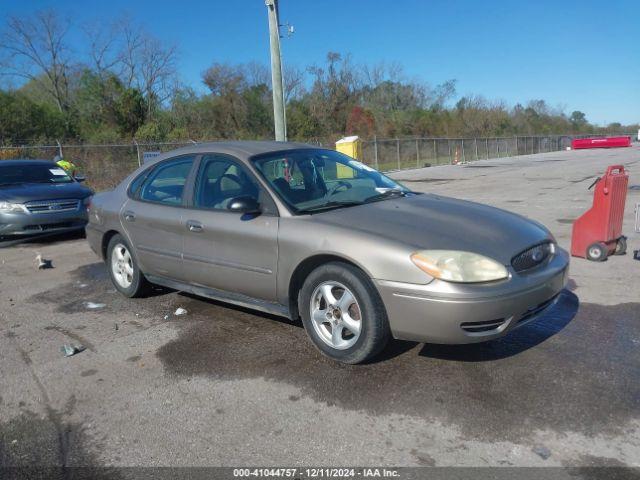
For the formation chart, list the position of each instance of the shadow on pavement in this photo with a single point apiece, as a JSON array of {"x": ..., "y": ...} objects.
[{"x": 42, "y": 239}]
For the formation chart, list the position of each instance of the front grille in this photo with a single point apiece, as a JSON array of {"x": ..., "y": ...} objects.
[
  {"x": 532, "y": 257},
  {"x": 53, "y": 206},
  {"x": 482, "y": 327}
]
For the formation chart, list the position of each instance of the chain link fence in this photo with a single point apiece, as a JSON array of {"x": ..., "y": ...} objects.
[
  {"x": 104, "y": 166},
  {"x": 107, "y": 165},
  {"x": 405, "y": 153}
]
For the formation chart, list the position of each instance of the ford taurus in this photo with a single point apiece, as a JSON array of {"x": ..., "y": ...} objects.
[{"x": 310, "y": 233}]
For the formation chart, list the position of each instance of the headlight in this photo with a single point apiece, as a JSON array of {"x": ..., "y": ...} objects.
[
  {"x": 455, "y": 266},
  {"x": 7, "y": 207}
]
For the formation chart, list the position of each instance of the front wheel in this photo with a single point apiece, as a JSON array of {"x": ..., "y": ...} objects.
[
  {"x": 123, "y": 269},
  {"x": 343, "y": 313}
]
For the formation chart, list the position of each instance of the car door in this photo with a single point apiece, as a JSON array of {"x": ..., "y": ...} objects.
[
  {"x": 227, "y": 250},
  {"x": 152, "y": 218}
]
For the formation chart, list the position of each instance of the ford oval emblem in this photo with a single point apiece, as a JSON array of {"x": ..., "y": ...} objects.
[{"x": 537, "y": 255}]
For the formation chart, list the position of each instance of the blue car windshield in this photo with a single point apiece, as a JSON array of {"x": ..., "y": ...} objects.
[
  {"x": 310, "y": 180},
  {"x": 32, "y": 173}
]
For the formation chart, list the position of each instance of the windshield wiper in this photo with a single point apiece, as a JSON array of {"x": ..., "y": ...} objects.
[
  {"x": 330, "y": 205},
  {"x": 392, "y": 192}
]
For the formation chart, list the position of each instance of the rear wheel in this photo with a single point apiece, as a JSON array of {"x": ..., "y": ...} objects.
[
  {"x": 343, "y": 313},
  {"x": 597, "y": 252},
  {"x": 621, "y": 246},
  {"x": 123, "y": 269}
]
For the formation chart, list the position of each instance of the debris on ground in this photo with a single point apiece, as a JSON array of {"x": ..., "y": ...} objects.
[
  {"x": 94, "y": 306},
  {"x": 180, "y": 311},
  {"x": 71, "y": 350},
  {"x": 43, "y": 263},
  {"x": 166, "y": 317},
  {"x": 542, "y": 451},
  {"x": 636, "y": 254}
]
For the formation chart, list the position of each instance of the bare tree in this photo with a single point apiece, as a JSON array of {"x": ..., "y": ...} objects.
[
  {"x": 34, "y": 48},
  {"x": 257, "y": 74},
  {"x": 131, "y": 43},
  {"x": 146, "y": 63},
  {"x": 293, "y": 82},
  {"x": 103, "y": 49},
  {"x": 157, "y": 71}
]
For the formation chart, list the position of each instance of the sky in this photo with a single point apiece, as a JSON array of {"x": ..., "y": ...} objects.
[{"x": 576, "y": 55}]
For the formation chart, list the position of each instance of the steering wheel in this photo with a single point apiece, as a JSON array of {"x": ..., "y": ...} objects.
[{"x": 334, "y": 189}]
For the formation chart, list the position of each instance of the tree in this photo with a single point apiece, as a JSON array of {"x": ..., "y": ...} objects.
[
  {"x": 22, "y": 120},
  {"x": 35, "y": 48},
  {"x": 146, "y": 64},
  {"x": 578, "y": 120},
  {"x": 293, "y": 82}
]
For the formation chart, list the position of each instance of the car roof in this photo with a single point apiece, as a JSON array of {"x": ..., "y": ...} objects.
[
  {"x": 19, "y": 162},
  {"x": 240, "y": 149}
]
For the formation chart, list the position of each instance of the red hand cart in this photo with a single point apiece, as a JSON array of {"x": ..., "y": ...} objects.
[{"x": 598, "y": 232}]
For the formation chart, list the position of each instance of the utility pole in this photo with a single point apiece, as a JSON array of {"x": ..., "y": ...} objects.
[{"x": 276, "y": 70}]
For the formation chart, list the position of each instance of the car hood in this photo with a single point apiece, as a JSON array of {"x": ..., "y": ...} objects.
[
  {"x": 28, "y": 192},
  {"x": 434, "y": 222}
]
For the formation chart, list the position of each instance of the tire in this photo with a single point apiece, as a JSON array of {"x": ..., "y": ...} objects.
[
  {"x": 597, "y": 252},
  {"x": 125, "y": 267},
  {"x": 621, "y": 246},
  {"x": 361, "y": 329}
]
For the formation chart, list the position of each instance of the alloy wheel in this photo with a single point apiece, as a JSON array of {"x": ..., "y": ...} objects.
[
  {"x": 122, "y": 265},
  {"x": 336, "y": 315}
]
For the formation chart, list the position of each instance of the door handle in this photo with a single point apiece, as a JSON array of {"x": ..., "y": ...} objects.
[
  {"x": 194, "y": 226},
  {"x": 129, "y": 216}
]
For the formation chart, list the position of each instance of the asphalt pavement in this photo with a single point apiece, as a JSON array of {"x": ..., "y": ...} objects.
[{"x": 224, "y": 386}]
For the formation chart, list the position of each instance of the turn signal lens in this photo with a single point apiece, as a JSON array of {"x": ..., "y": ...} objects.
[{"x": 457, "y": 266}]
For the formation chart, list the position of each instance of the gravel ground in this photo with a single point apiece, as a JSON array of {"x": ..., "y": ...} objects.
[{"x": 224, "y": 386}]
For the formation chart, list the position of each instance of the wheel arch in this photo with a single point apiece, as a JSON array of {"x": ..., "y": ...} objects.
[
  {"x": 106, "y": 238},
  {"x": 304, "y": 268}
]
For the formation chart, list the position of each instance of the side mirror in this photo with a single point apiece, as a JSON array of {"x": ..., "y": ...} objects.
[
  {"x": 80, "y": 178},
  {"x": 244, "y": 204}
]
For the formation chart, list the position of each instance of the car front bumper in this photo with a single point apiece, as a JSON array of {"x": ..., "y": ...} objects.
[
  {"x": 450, "y": 313},
  {"x": 15, "y": 225}
]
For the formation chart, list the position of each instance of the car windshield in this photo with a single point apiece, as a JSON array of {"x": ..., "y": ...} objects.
[
  {"x": 32, "y": 173},
  {"x": 314, "y": 180}
]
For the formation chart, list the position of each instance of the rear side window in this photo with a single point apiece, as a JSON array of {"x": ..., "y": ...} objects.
[
  {"x": 166, "y": 183},
  {"x": 137, "y": 183}
]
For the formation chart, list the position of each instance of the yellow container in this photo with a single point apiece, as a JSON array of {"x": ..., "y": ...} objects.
[{"x": 349, "y": 146}]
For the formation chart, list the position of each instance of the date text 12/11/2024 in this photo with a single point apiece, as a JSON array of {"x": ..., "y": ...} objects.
[{"x": 316, "y": 472}]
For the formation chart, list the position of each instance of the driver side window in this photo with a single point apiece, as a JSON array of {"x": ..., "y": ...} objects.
[{"x": 220, "y": 180}]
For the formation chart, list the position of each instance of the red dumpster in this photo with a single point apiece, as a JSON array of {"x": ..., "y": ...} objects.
[
  {"x": 598, "y": 232},
  {"x": 607, "y": 142}
]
